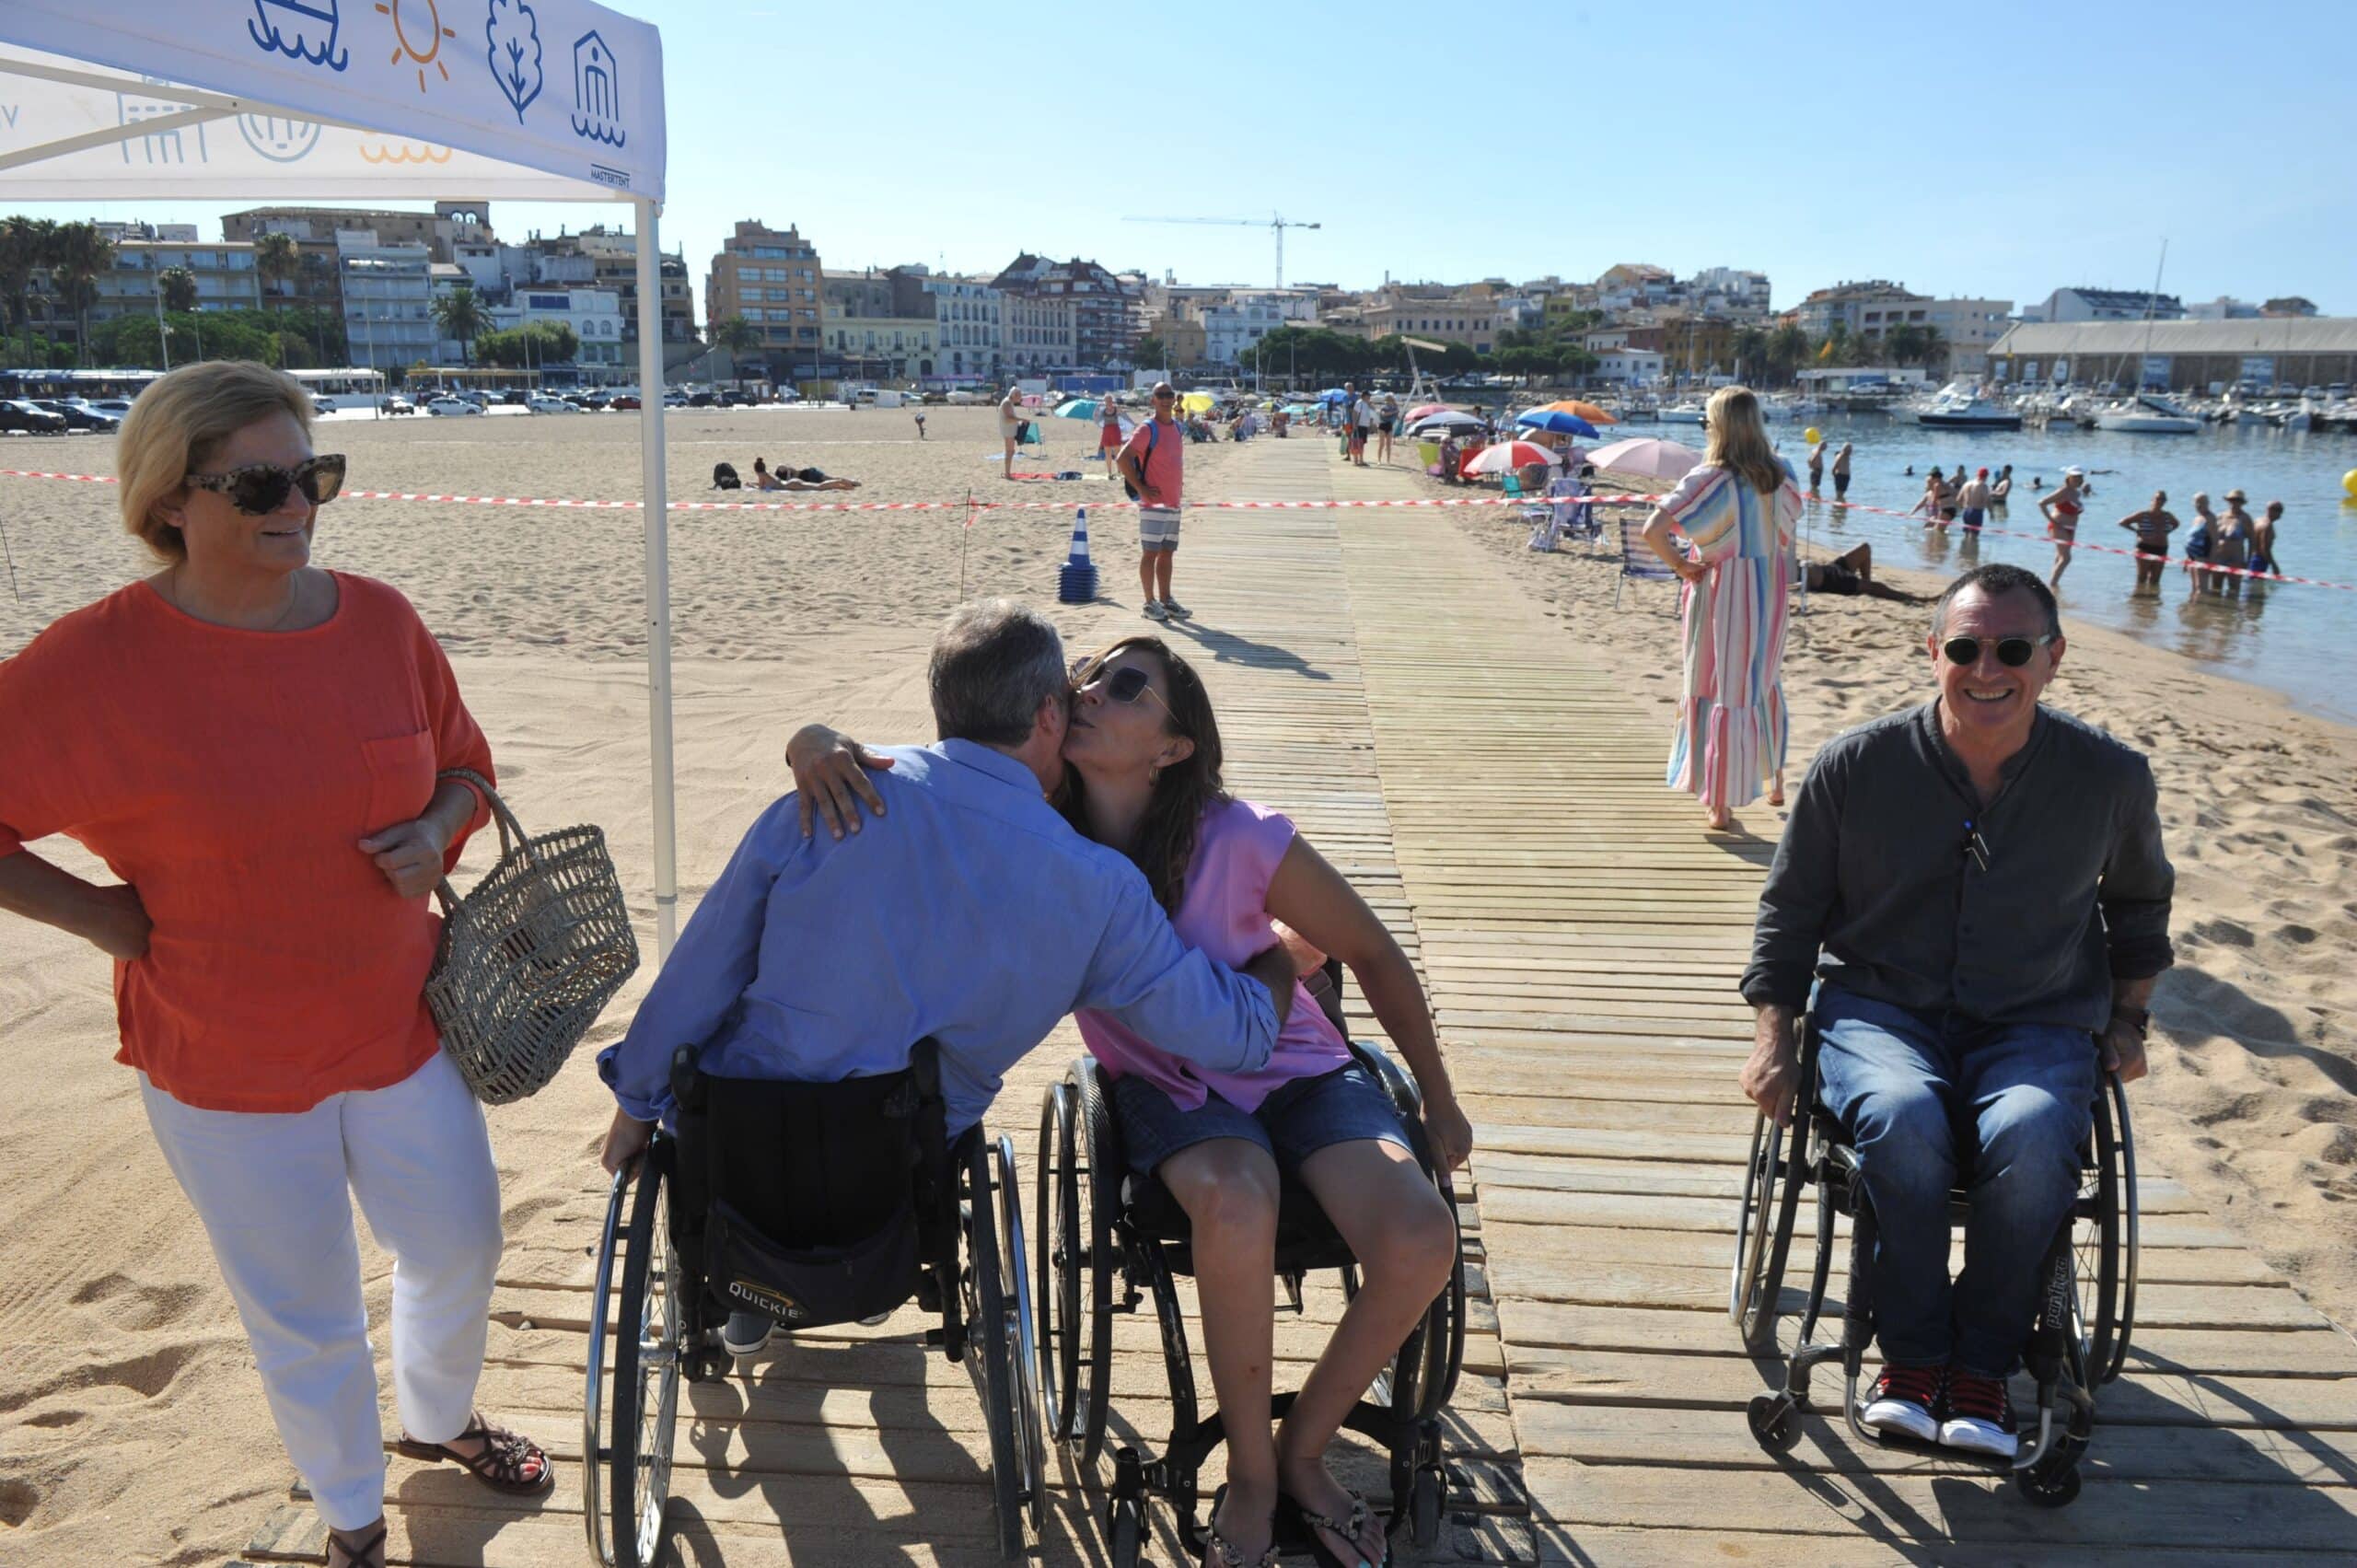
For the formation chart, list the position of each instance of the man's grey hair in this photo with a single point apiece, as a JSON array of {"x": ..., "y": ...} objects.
[{"x": 993, "y": 662}]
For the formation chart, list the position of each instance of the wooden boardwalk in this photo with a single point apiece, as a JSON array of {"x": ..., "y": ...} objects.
[{"x": 1501, "y": 805}]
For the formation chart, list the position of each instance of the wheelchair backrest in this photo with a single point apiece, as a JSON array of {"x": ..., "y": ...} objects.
[{"x": 815, "y": 1165}]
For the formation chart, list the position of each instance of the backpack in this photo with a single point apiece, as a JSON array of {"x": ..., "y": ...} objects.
[
  {"x": 723, "y": 477},
  {"x": 1153, "y": 435}
]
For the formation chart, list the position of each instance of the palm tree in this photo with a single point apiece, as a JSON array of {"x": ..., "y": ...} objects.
[
  {"x": 82, "y": 254},
  {"x": 1787, "y": 346},
  {"x": 1751, "y": 352},
  {"x": 1935, "y": 350},
  {"x": 736, "y": 334},
  {"x": 178, "y": 287},
  {"x": 1904, "y": 343},
  {"x": 461, "y": 315},
  {"x": 276, "y": 260},
  {"x": 23, "y": 255}
]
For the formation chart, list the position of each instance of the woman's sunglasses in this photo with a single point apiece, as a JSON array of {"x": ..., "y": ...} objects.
[
  {"x": 2012, "y": 652},
  {"x": 260, "y": 489},
  {"x": 1126, "y": 684}
]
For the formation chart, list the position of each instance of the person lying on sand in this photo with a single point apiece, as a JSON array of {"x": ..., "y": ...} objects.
[
  {"x": 784, "y": 478},
  {"x": 2042, "y": 948},
  {"x": 1853, "y": 571}
]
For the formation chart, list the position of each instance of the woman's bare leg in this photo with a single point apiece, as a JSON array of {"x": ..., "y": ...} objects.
[
  {"x": 1228, "y": 1187},
  {"x": 1405, "y": 1240}
]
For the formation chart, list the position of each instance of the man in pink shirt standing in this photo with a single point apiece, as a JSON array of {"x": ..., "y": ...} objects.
[{"x": 1152, "y": 462}]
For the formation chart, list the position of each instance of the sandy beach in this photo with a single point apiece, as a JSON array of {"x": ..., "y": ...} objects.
[{"x": 132, "y": 1424}]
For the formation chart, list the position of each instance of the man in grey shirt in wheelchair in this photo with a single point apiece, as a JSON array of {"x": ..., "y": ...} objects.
[{"x": 1980, "y": 888}]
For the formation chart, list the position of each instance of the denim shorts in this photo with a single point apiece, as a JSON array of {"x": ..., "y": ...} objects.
[{"x": 1296, "y": 1121}]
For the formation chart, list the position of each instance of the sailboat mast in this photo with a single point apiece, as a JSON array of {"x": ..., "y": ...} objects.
[{"x": 2151, "y": 303}]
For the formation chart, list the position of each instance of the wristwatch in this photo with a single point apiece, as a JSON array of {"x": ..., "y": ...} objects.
[{"x": 2137, "y": 1018}]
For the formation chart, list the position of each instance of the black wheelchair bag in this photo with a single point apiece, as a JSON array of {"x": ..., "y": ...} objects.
[{"x": 808, "y": 1192}]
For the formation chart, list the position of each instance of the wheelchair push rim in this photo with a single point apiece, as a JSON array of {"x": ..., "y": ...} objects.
[
  {"x": 1764, "y": 1224},
  {"x": 626, "y": 1472},
  {"x": 994, "y": 1288}
]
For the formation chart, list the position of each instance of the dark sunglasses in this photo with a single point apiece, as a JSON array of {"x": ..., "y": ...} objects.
[
  {"x": 1126, "y": 684},
  {"x": 260, "y": 489},
  {"x": 2012, "y": 652}
]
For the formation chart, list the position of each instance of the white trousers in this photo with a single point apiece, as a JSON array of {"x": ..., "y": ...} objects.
[{"x": 274, "y": 1192}]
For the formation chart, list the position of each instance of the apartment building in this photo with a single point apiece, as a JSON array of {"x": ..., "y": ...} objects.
[
  {"x": 773, "y": 278},
  {"x": 1106, "y": 320},
  {"x": 1039, "y": 332}
]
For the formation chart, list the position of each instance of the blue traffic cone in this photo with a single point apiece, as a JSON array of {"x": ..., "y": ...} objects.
[{"x": 1076, "y": 584}]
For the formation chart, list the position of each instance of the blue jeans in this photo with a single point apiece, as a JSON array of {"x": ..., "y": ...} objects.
[{"x": 1922, "y": 1095}]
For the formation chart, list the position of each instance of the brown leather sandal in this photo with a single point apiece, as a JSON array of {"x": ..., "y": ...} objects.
[
  {"x": 369, "y": 1553},
  {"x": 503, "y": 1464}
]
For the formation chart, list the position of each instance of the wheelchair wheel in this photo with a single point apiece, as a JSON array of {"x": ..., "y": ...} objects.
[
  {"x": 1095, "y": 1162},
  {"x": 1023, "y": 1343},
  {"x": 1763, "y": 1237},
  {"x": 630, "y": 1459},
  {"x": 1057, "y": 1256},
  {"x": 2103, "y": 1246},
  {"x": 993, "y": 1343}
]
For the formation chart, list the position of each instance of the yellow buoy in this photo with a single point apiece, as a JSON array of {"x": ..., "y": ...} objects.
[
  {"x": 2349, "y": 482},
  {"x": 1811, "y": 436}
]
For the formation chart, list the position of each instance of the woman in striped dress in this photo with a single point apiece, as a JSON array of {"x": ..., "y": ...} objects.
[{"x": 1736, "y": 510}]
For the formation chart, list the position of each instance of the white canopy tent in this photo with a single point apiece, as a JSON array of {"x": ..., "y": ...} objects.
[{"x": 296, "y": 101}]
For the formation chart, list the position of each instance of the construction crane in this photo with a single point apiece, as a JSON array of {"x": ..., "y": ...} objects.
[{"x": 1273, "y": 223}]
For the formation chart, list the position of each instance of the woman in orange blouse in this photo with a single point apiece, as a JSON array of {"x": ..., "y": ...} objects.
[{"x": 250, "y": 744}]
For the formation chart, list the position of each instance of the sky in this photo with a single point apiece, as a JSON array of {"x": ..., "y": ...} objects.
[{"x": 2003, "y": 151}]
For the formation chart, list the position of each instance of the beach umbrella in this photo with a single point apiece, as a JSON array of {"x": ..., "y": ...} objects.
[
  {"x": 1197, "y": 403},
  {"x": 1579, "y": 409},
  {"x": 1440, "y": 423},
  {"x": 1421, "y": 410},
  {"x": 1333, "y": 395},
  {"x": 1653, "y": 459},
  {"x": 1077, "y": 408},
  {"x": 1508, "y": 456},
  {"x": 1556, "y": 420}
]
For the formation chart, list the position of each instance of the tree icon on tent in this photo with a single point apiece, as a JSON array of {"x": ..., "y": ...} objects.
[{"x": 514, "y": 34}]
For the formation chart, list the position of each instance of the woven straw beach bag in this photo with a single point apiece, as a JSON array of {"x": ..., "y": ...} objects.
[{"x": 530, "y": 957}]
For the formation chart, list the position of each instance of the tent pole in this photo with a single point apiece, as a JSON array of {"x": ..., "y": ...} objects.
[{"x": 658, "y": 577}]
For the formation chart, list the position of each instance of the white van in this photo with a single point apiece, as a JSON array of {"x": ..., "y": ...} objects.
[{"x": 882, "y": 396}]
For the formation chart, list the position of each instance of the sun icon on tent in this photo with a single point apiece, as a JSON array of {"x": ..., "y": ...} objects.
[{"x": 433, "y": 32}]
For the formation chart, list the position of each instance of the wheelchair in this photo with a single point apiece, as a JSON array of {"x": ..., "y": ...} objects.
[
  {"x": 2086, "y": 1311},
  {"x": 1103, "y": 1229},
  {"x": 812, "y": 1204}
]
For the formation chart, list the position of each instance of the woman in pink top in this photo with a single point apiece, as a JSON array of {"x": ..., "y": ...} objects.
[{"x": 1144, "y": 755}]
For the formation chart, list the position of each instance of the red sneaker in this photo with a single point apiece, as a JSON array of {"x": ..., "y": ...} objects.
[{"x": 1903, "y": 1400}]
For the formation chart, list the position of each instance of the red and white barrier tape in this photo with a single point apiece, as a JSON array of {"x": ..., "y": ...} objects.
[{"x": 569, "y": 505}]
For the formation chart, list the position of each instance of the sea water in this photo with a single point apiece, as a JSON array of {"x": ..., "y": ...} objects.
[{"x": 2296, "y": 639}]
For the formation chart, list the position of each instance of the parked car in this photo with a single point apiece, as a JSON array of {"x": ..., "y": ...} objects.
[
  {"x": 15, "y": 414},
  {"x": 622, "y": 401},
  {"x": 736, "y": 397},
  {"x": 77, "y": 414},
  {"x": 593, "y": 400},
  {"x": 516, "y": 398},
  {"x": 702, "y": 400},
  {"x": 395, "y": 404},
  {"x": 452, "y": 406},
  {"x": 675, "y": 399},
  {"x": 115, "y": 406},
  {"x": 540, "y": 402}
]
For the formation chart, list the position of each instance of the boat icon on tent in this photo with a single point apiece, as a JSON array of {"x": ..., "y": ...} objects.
[{"x": 596, "y": 91}]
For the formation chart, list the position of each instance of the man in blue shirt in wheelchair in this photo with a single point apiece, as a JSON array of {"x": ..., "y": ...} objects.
[
  {"x": 980, "y": 921},
  {"x": 1980, "y": 889}
]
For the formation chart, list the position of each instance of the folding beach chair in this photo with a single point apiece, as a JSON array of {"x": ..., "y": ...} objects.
[{"x": 1636, "y": 561}]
